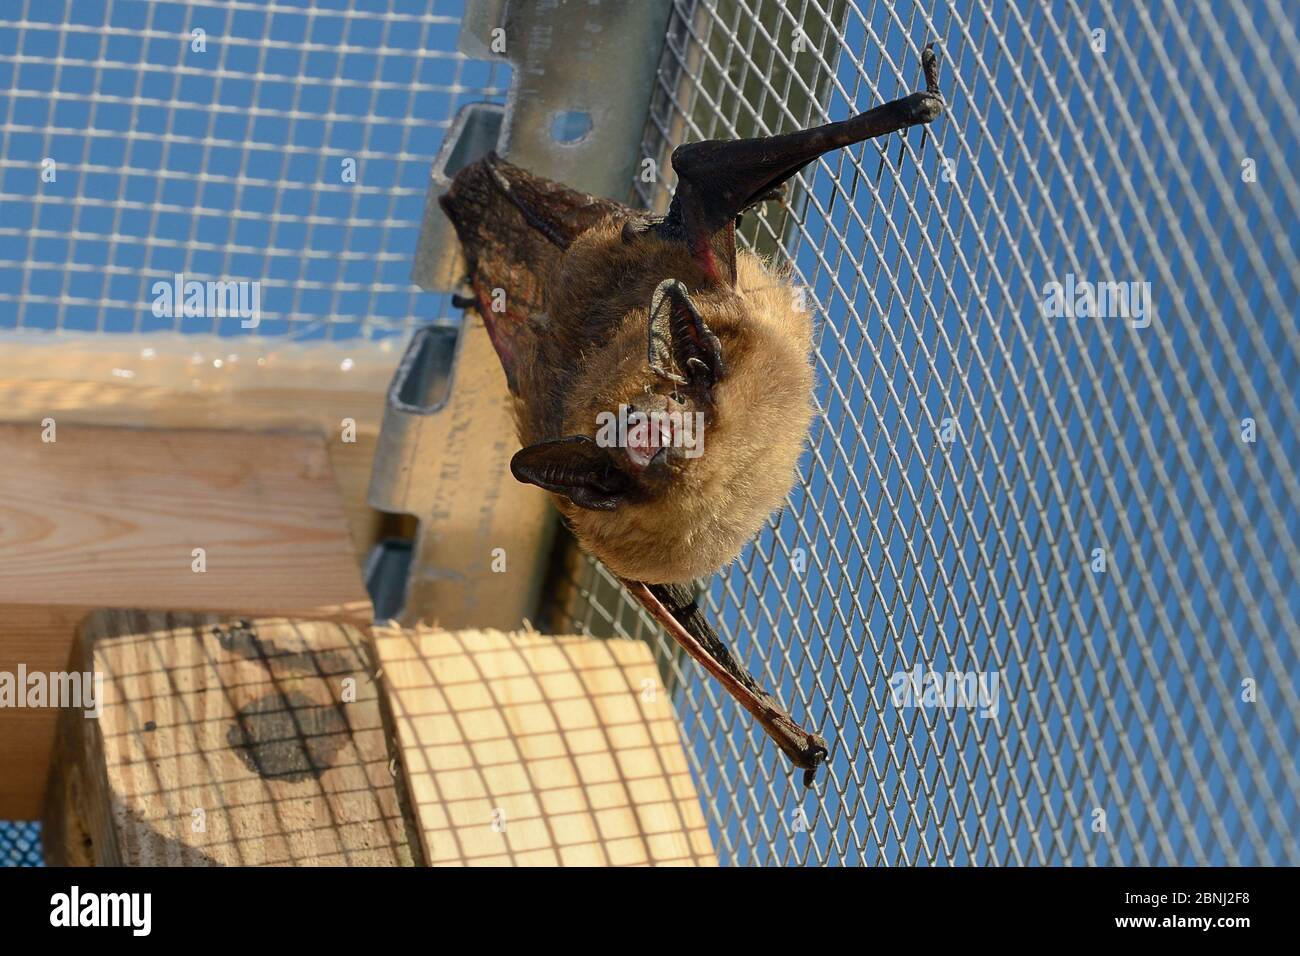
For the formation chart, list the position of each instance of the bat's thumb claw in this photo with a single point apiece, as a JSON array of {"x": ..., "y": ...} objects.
[{"x": 930, "y": 67}]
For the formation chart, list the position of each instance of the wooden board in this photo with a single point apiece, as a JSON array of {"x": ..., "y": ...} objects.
[
  {"x": 41, "y": 638},
  {"x": 192, "y": 381},
  {"x": 524, "y": 749},
  {"x": 109, "y": 517},
  {"x": 224, "y": 743}
]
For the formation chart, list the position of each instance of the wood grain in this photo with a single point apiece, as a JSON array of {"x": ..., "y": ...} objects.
[
  {"x": 523, "y": 749},
  {"x": 225, "y": 743},
  {"x": 109, "y": 517},
  {"x": 188, "y": 382},
  {"x": 40, "y": 637}
]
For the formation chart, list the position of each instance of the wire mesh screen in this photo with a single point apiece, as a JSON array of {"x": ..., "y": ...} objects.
[
  {"x": 1037, "y": 584},
  {"x": 282, "y": 142},
  {"x": 20, "y": 844}
]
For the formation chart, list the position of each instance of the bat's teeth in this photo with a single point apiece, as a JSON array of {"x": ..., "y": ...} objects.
[
  {"x": 658, "y": 438},
  {"x": 638, "y": 455}
]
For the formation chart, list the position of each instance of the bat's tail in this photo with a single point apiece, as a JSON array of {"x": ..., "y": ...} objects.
[{"x": 513, "y": 227}]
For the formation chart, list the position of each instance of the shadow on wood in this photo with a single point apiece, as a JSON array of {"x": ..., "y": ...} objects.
[
  {"x": 221, "y": 742},
  {"x": 111, "y": 517}
]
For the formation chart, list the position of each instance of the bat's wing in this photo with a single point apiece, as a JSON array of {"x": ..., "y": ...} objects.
[
  {"x": 718, "y": 179},
  {"x": 513, "y": 227},
  {"x": 675, "y": 607}
]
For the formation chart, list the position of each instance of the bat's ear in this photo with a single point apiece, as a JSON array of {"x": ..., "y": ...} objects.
[
  {"x": 717, "y": 180},
  {"x": 683, "y": 349},
  {"x": 575, "y": 467}
]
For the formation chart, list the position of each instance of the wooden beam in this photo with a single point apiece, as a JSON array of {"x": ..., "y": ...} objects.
[
  {"x": 41, "y": 638},
  {"x": 524, "y": 749},
  {"x": 110, "y": 517},
  {"x": 186, "y": 382},
  {"x": 224, "y": 743}
]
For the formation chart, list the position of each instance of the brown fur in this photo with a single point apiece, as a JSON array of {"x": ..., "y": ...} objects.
[{"x": 589, "y": 355}]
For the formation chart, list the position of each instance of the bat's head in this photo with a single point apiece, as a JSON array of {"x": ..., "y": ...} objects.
[{"x": 682, "y": 425}]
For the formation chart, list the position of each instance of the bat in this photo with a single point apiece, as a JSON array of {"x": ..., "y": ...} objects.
[{"x": 661, "y": 378}]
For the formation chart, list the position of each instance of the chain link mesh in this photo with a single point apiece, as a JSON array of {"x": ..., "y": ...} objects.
[
  {"x": 972, "y": 461},
  {"x": 975, "y": 462}
]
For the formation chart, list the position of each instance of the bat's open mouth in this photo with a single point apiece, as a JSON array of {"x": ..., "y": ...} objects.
[{"x": 649, "y": 440}]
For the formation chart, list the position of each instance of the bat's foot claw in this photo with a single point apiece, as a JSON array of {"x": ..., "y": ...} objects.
[
  {"x": 815, "y": 754},
  {"x": 634, "y": 229},
  {"x": 930, "y": 67}
]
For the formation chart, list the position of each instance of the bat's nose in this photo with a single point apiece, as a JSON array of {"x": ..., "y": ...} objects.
[{"x": 649, "y": 403}]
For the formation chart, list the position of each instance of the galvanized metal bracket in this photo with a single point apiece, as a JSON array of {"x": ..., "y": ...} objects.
[{"x": 583, "y": 71}]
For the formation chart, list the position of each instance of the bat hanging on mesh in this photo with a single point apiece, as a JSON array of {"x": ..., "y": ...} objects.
[{"x": 662, "y": 378}]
